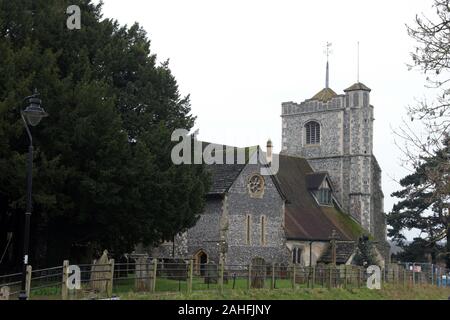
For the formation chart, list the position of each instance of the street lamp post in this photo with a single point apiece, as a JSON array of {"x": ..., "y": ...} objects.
[{"x": 32, "y": 115}]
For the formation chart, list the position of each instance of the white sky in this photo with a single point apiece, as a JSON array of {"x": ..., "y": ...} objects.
[{"x": 240, "y": 60}]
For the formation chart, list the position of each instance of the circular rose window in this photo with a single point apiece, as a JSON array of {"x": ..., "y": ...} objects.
[{"x": 255, "y": 184}]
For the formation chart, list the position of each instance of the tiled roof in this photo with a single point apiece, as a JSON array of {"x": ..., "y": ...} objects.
[
  {"x": 223, "y": 175},
  {"x": 304, "y": 218},
  {"x": 357, "y": 86},
  {"x": 324, "y": 95}
]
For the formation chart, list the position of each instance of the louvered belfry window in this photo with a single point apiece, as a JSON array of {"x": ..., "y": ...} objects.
[{"x": 312, "y": 132}]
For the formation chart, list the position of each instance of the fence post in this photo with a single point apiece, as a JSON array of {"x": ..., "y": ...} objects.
[
  {"x": 404, "y": 278},
  {"x": 191, "y": 275},
  {"x": 64, "y": 289},
  {"x": 358, "y": 278},
  {"x": 155, "y": 266},
  {"x": 293, "y": 276},
  {"x": 272, "y": 285},
  {"x": 249, "y": 281},
  {"x": 28, "y": 280},
  {"x": 331, "y": 276},
  {"x": 221, "y": 275},
  {"x": 432, "y": 274},
  {"x": 345, "y": 276},
  {"x": 109, "y": 289}
]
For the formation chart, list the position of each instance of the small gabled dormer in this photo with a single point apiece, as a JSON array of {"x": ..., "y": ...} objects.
[{"x": 319, "y": 184}]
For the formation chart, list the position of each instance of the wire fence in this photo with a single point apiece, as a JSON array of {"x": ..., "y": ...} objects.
[{"x": 150, "y": 275}]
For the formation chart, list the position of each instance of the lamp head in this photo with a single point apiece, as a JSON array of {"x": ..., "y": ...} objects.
[{"x": 34, "y": 112}]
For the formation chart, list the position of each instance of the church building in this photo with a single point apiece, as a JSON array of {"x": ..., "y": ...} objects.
[{"x": 328, "y": 186}]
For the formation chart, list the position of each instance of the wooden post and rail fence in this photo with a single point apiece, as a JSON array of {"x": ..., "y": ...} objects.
[{"x": 106, "y": 278}]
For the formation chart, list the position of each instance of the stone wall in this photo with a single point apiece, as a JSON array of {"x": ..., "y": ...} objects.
[
  {"x": 222, "y": 227},
  {"x": 205, "y": 235},
  {"x": 345, "y": 151},
  {"x": 271, "y": 205}
]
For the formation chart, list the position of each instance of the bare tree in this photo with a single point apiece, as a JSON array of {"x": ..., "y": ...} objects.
[
  {"x": 427, "y": 191},
  {"x": 432, "y": 56}
]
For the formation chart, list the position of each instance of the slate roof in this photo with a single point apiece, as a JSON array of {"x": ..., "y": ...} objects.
[
  {"x": 304, "y": 218},
  {"x": 223, "y": 175},
  {"x": 344, "y": 251}
]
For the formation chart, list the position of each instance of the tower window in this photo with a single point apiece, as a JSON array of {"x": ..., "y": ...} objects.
[
  {"x": 365, "y": 99},
  {"x": 356, "y": 99},
  {"x": 312, "y": 132}
]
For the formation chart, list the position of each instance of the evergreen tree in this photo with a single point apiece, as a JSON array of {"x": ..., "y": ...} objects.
[
  {"x": 420, "y": 250},
  {"x": 103, "y": 177},
  {"x": 365, "y": 253},
  {"x": 425, "y": 202}
]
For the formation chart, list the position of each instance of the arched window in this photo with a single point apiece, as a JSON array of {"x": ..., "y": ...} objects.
[{"x": 312, "y": 132}]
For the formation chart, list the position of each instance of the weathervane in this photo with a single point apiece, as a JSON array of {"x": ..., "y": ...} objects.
[{"x": 327, "y": 51}]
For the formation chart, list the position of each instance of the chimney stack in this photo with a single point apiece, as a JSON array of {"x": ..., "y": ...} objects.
[{"x": 269, "y": 149}]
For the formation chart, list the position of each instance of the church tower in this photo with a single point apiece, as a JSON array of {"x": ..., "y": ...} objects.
[{"x": 335, "y": 134}]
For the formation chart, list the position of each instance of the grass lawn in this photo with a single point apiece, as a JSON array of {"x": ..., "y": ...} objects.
[
  {"x": 387, "y": 293},
  {"x": 237, "y": 289}
]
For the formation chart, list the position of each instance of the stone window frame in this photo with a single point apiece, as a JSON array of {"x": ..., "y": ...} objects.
[
  {"x": 248, "y": 228},
  {"x": 317, "y": 135},
  {"x": 263, "y": 221}
]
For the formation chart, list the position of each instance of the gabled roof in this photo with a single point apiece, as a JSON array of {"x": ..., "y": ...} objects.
[
  {"x": 324, "y": 95},
  {"x": 305, "y": 219},
  {"x": 223, "y": 175},
  {"x": 315, "y": 179},
  {"x": 358, "y": 86}
]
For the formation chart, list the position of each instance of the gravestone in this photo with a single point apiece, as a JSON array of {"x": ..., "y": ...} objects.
[
  {"x": 259, "y": 271},
  {"x": 100, "y": 273},
  {"x": 211, "y": 273},
  {"x": 175, "y": 269},
  {"x": 144, "y": 274},
  {"x": 4, "y": 293}
]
